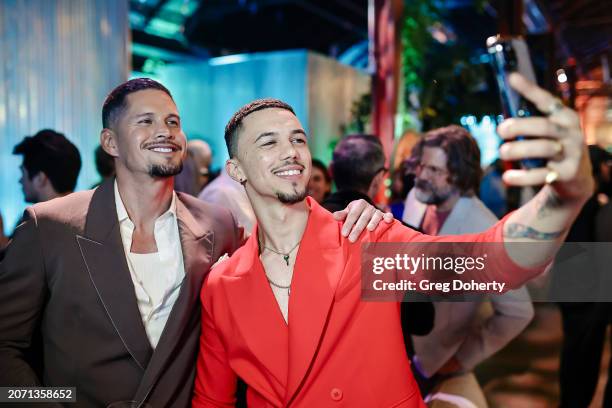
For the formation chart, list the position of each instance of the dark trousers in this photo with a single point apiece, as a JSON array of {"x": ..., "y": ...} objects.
[{"x": 584, "y": 333}]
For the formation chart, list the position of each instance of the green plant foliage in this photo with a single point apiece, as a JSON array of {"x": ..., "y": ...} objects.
[
  {"x": 361, "y": 115},
  {"x": 448, "y": 84},
  {"x": 439, "y": 83},
  {"x": 419, "y": 15},
  {"x": 454, "y": 87}
]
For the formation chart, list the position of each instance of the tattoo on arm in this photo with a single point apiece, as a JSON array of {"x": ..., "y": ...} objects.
[
  {"x": 547, "y": 204},
  {"x": 524, "y": 231}
]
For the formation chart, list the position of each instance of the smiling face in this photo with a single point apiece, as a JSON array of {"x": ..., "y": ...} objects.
[
  {"x": 272, "y": 156},
  {"x": 147, "y": 138}
]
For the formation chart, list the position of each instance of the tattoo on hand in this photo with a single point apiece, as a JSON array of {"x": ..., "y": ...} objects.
[
  {"x": 524, "y": 231},
  {"x": 550, "y": 202}
]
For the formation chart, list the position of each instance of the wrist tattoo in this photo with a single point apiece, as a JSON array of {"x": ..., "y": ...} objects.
[
  {"x": 548, "y": 203},
  {"x": 523, "y": 231}
]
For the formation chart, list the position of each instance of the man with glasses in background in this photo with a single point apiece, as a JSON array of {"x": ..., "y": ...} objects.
[{"x": 444, "y": 201}]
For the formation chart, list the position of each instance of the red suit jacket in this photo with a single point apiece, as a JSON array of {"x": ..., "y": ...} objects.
[{"x": 336, "y": 351}]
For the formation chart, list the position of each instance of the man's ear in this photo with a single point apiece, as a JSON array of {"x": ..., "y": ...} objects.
[
  {"x": 232, "y": 166},
  {"x": 108, "y": 141},
  {"x": 40, "y": 180}
]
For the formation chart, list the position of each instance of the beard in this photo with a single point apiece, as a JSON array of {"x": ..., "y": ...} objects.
[
  {"x": 428, "y": 194},
  {"x": 292, "y": 198},
  {"x": 165, "y": 170}
]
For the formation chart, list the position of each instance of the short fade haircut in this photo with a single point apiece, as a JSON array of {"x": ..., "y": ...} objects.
[
  {"x": 115, "y": 102},
  {"x": 51, "y": 153},
  {"x": 357, "y": 159},
  {"x": 462, "y": 153},
  {"x": 235, "y": 123}
]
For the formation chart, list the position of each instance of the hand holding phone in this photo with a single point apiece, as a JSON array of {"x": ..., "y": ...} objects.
[
  {"x": 507, "y": 55},
  {"x": 556, "y": 137}
]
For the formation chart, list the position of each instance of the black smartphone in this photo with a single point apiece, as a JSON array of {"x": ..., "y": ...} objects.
[{"x": 510, "y": 54}]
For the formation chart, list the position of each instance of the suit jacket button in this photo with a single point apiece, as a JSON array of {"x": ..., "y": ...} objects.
[{"x": 336, "y": 394}]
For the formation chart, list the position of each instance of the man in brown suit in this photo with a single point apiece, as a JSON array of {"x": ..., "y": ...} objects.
[
  {"x": 104, "y": 283},
  {"x": 67, "y": 280}
]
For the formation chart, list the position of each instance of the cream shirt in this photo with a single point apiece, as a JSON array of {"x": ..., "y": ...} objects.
[{"x": 157, "y": 276}]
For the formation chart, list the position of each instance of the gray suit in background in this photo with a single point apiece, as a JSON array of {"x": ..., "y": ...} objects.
[
  {"x": 459, "y": 330},
  {"x": 65, "y": 285}
]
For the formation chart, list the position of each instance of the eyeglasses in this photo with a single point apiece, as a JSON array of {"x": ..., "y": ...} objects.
[{"x": 433, "y": 170}]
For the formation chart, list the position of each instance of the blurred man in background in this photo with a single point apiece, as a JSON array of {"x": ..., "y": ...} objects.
[
  {"x": 201, "y": 155},
  {"x": 50, "y": 167},
  {"x": 444, "y": 202},
  {"x": 358, "y": 170},
  {"x": 195, "y": 173}
]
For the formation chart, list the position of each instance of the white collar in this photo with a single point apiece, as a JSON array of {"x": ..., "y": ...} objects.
[{"x": 122, "y": 213}]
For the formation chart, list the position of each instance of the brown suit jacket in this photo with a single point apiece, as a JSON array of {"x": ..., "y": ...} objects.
[{"x": 65, "y": 281}]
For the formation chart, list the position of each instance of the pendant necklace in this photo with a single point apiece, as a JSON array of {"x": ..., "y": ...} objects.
[
  {"x": 285, "y": 255},
  {"x": 286, "y": 258}
]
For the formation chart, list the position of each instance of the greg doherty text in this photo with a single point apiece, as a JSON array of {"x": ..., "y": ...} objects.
[{"x": 425, "y": 285}]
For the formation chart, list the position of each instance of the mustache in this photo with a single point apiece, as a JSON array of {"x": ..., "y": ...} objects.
[
  {"x": 422, "y": 184},
  {"x": 289, "y": 163}
]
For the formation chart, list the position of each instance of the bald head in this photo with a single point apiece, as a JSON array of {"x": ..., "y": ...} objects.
[{"x": 201, "y": 154}]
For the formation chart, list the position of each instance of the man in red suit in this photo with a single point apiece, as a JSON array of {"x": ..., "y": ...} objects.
[{"x": 285, "y": 314}]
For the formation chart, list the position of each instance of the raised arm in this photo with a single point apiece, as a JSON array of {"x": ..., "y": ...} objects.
[{"x": 567, "y": 179}]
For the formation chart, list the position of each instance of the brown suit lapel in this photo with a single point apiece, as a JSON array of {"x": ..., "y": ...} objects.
[
  {"x": 103, "y": 254},
  {"x": 197, "y": 246}
]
